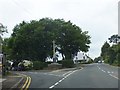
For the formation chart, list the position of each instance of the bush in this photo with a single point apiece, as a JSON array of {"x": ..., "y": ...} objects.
[
  {"x": 67, "y": 63},
  {"x": 29, "y": 67},
  {"x": 60, "y": 62},
  {"x": 25, "y": 65},
  {"x": 37, "y": 65}
]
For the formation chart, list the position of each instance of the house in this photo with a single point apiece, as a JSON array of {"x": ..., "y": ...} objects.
[{"x": 81, "y": 57}]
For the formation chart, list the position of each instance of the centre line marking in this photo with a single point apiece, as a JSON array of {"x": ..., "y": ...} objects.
[
  {"x": 103, "y": 70},
  {"x": 113, "y": 76},
  {"x": 63, "y": 78},
  {"x": 66, "y": 73}
]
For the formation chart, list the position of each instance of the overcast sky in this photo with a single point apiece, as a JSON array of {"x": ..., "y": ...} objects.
[{"x": 99, "y": 17}]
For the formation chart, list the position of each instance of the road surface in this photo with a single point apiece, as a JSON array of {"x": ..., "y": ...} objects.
[{"x": 90, "y": 76}]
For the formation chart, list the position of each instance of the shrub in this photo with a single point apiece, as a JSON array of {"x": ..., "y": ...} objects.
[
  {"x": 60, "y": 62},
  {"x": 67, "y": 63},
  {"x": 29, "y": 67},
  {"x": 37, "y": 65},
  {"x": 25, "y": 65}
]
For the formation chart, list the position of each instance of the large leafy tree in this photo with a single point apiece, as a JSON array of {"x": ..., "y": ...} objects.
[
  {"x": 33, "y": 40},
  {"x": 71, "y": 39}
]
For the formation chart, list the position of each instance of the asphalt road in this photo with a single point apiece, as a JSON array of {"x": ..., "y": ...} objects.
[{"x": 90, "y": 76}]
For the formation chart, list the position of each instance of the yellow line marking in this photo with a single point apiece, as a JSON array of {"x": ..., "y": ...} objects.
[
  {"x": 25, "y": 84},
  {"x": 28, "y": 83}
]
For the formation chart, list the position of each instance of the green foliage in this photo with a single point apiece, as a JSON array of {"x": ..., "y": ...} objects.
[
  {"x": 114, "y": 39},
  {"x": 33, "y": 40},
  {"x": 67, "y": 63},
  {"x": 29, "y": 67},
  {"x": 3, "y": 29},
  {"x": 97, "y": 59},
  {"x": 60, "y": 62},
  {"x": 90, "y": 61},
  {"x": 37, "y": 65},
  {"x": 111, "y": 54}
]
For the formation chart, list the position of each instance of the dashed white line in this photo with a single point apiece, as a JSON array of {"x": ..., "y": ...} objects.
[
  {"x": 112, "y": 72},
  {"x": 56, "y": 83},
  {"x": 66, "y": 73},
  {"x": 108, "y": 73},
  {"x": 60, "y": 81},
  {"x": 103, "y": 70},
  {"x": 63, "y": 79},
  {"x": 113, "y": 76},
  {"x": 98, "y": 67},
  {"x": 52, "y": 86}
]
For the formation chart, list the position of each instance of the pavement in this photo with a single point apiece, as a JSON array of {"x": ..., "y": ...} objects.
[{"x": 12, "y": 81}]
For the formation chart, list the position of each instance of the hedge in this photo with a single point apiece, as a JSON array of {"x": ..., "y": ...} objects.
[
  {"x": 67, "y": 64},
  {"x": 37, "y": 65}
]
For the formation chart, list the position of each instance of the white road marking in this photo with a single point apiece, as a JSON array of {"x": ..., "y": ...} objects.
[
  {"x": 60, "y": 81},
  {"x": 66, "y": 73},
  {"x": 103, "y": 70},
  {"x": 113, "y": 76},
  {"x": 52, "y": 86},
  {"x": 56, "y": 83},
  {"x": 112, "y": 72},
  {"x": 63, "y": 78},
  {"x": 108, "y": 71},
  {"x": 98, "y": 67}
]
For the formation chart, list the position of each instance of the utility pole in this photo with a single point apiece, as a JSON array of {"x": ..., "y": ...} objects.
[
  {"x": 54, "y": 56},
  {"x": 2, "y": 59},
  {"x": 3, "y": 65}
]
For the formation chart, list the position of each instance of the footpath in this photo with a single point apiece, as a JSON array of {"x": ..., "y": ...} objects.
[{"x": 12, "y": 81}]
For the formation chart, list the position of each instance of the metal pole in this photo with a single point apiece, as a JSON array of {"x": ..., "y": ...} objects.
[
  {"x": 54, "y": 61},
  {"x": 3, "y": 65}
]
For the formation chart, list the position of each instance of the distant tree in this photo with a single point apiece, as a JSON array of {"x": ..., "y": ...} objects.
[
  {"x": 97, "y": 59},
  {"x": 110, "y": 54},
  {"x": 104, "y": 51}
]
